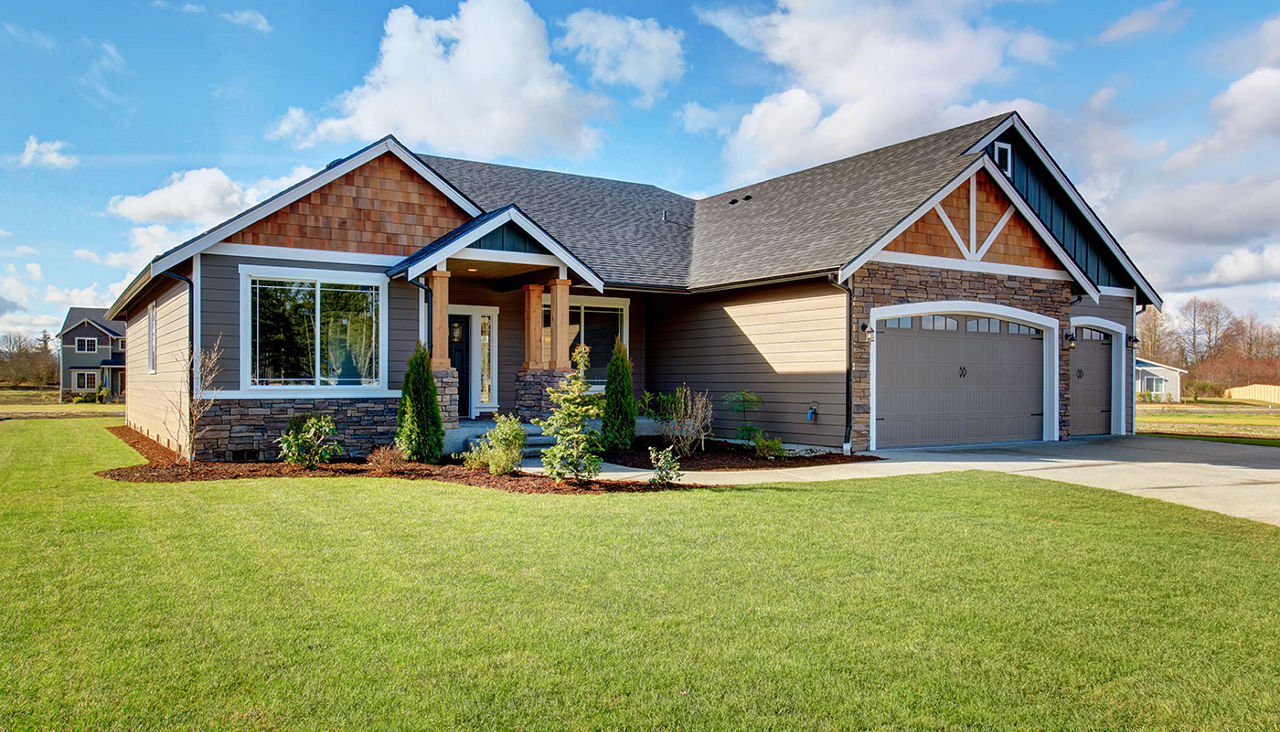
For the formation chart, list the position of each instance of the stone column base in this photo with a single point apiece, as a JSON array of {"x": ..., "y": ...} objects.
[
  {"x": 532, "y": 400},
  {"x": 447, "y": 392}
]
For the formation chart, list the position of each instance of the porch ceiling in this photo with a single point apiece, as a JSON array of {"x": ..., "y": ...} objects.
[{"x": 473, "y": 269}]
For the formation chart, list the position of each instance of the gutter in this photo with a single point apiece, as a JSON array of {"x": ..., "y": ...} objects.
[{"x": 848, "y": 363}]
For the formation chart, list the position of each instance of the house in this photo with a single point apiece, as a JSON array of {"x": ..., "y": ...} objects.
[
  {"x": 953, "y": 288},
  {"x": 1163, "y": 383},
  {"x": 92, "y": 354}
]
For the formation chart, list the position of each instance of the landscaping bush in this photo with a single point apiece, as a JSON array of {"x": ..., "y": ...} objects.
[
  {"x": 576, "y": 452},
  {"x": 77, "y": 400},
  {"x": 686, "y": 419},
  {"x": 386, "y": 460},
  {"x": 419, "y": 427},
  {"x": 619, "y": 422},
  {"x": 103, "y": 394},
  {"x": 310, "y": 446},
  {"x": 743, "y": 402},
  {"x": 766, "y": 446},
  {"x": 298, "y": 421},
  {"x": 500, "y": 450},
  {"x": 666, "y": 467}
]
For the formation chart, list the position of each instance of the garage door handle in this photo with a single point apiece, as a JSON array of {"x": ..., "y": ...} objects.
[
  {"x": 1079, "y": 373},
  {"x": 963, "y": 372}
]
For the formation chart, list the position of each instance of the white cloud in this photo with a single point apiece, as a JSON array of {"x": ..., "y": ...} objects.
[
  {"x": 480, "y": 83},
  {"x": 46, "y": 154},
  {"x": 9, "y": 306},
  {"x": 96, "y": 83},
  {"x": 626, "y": 51},
  {"x": 185, "y": 8},
  {"x": 248, "y": 18},
  {"x": 1204, "y": 212},
  {"x": 1162, "y": 16},
  {"x": 4, "y": 233},
  {"x": 10, "y": 269},
  {"x": 867, "y": 75},
  {"x": 293, "y": 123},
  {"x": 1247, "y": 113},
  {"x": 29, "y": 323},
  {"x": 203, "y": 196},
  {"x": 16, "y": 288},
  {"x": 1244, "y": 266},
  {"x": 83, "y": 297},
  {"x": 30, "y": 37},
  {"x": 25, "y": 251},
  {"x": 696, "y": 118},
  {"x": 34, "y": 272}
]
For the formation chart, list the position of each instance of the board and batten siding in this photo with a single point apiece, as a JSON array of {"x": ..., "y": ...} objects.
[
  {"x": 1117, "y": 310},
  {"x": 784, "y": 342},
  {"x": 152, "y": 400},
  {"x": 220, "y": 313}
]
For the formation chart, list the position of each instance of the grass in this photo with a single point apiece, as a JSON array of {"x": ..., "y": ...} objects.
[
  {"x": 45, "y": 401},
  {"x": 1231, "y": 418},
  {"x": 1261, "y": 441},
  {"x": 1226, "y": 418},
  {"x": 960, "y": 599}
]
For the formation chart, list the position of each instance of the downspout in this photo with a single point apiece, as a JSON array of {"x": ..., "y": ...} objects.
[
  {"x": 427, "y": 290},
  {"x": 848, "y": 362}
]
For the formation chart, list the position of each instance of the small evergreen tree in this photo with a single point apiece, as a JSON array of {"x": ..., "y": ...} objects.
[
  {"x": 619, "y": 426},
  {"x": 419, "y": 427},
  {"x": 575, "y": 454}
]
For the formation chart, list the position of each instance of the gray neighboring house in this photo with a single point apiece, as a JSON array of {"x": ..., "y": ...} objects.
[
  {"x": 92, "y": 354},
  {"x": 1162, "y": 381}
]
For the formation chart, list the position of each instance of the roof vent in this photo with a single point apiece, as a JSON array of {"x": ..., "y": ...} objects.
[
  {"x": 333, "y": 163},
  {"x": 732, "y": 201},
  {"x": 747, "y": 197}
]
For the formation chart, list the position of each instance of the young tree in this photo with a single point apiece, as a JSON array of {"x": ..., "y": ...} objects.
[
  {"x": 419, "y": 427},
  {"x": 1157, "y": 339},
  {"x": 619, "y": 402},
  {"x": 575, "y": 454}
]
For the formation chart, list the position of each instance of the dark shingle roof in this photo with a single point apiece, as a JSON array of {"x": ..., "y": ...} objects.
[
  {"x": 810, "y": 221},
  {"x": 629, "y": 233},
  {"x": 97, "y": 316}
]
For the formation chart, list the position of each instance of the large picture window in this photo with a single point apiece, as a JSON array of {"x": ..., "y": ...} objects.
[
  {"x": 595, "y": 324},
  {"x": 313, "y": 333}
]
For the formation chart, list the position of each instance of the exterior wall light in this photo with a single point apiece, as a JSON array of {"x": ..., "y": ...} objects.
[
  {"x": 867, "y": 331},
  {"x": 1070, "y": 338},
  {"x": 1133, "y": 341}
]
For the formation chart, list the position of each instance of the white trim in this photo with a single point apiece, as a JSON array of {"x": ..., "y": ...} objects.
[
  {"x": 305, "y": 392},
  {"x": 1119, "y": 343},
  {"x": 422, "y": 315},
  {"x": 152, "y": 324},
  {"x": 293, "y": 254},
  {"x": 511, "y": 215},
  {"x": 328, "y": 175},
  {"x": 495, "y": 255},
  {"x": 951, "y": 228},
  {"x": 195, "y": 294},
  {"x": 1157, "y": 364},
  {"x": 928, "y": 260},
  {"x": 476, "y": 405},
  {"x": 75, "y": 382},
  {"x": 1052, "y": 389},
  {"x": 973, "y": 218},
  {"x": 249, "y": 272},
  {"x": 1015, "y": 121},
  {"x": 623, "y": 303},
  {"x": 1118, "y": 291},
  {"x": 95, "y": 348},
  {"x": 90, "y": 322},
  {"x": 1008, "y": 157},
  {"x": 991, "y": 238}
]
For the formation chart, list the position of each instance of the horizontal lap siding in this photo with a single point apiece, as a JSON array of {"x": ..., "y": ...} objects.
[
  {"x": 152, "y": 400},
  {"x": 784, "y": 342},
  {"x": 1117, "y": 310}
]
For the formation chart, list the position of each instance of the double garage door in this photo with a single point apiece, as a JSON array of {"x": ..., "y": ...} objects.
[{"x": 951, "y": 379}]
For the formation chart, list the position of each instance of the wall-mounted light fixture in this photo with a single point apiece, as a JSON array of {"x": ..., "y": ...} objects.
[
  {"x": 1070, "y": 339},
  {"x": 867, "y": 331},
  {"x": 1133, "y": 341}
]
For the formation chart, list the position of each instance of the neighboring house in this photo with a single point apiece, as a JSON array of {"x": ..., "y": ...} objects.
[
  {"x": 1161, "y": 381},
  {"x": 949, "y": 289},
  {"x": 92, "y": 354}
]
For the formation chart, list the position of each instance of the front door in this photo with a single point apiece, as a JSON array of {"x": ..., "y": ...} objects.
[{"x": 460, "y": 359}]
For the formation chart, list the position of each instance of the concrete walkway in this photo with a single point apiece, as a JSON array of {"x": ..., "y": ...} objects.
[{"x": 1239, "y": 480}]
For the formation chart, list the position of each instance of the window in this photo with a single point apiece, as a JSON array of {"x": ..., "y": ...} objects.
[
  {"x": 982, "y": 325},
  {"x": 594, "y": 323},
  {"x": 1089, "y": 334},
  {"x": 1004, "y": 158},
  {"x": 1154, "y": 384},
  {"x": 86, "y": 381},
  {"x": 938, "y": 322},
  {"x": 1020, "y": 329},
  {"x": 151, "y": 338},
  {"x": 310, "y": 333},
  {"x": 904, "y": 323},
  {"x": 86, "y": 345},
  {"x": 120, "y": 345}
]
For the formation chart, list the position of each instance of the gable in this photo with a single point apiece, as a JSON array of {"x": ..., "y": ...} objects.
[
  {"x": 509, "y": 238},
  {"x": 962, "y": 229},
  {"x": 380, "y": 207}
]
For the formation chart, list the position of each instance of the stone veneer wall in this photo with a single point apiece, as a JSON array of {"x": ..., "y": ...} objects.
[
  {"x": 532, "y": 400},
  {"x": 447, "y": 395},
  {"x": 255, "y": 424},
  {"x": 878, "y": 284}
]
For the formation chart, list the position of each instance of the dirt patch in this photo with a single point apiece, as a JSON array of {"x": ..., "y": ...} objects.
[
  {"x": 726, "y": 456},
  {"x": 160, "y": 469}
]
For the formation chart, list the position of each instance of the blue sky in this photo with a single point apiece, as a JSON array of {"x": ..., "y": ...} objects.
[{"x": 130, "y": 126}]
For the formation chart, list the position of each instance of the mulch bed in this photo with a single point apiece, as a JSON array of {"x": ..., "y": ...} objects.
[
  {"x": 726, "y": 456},
  {"x": 160, "y": 468}
]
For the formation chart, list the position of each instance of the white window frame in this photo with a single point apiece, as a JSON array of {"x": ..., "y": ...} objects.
[
  {"x": 151, "y": 338},
  {"x": 604, "y": 302},
  {"x": 1007, "y": 167},
  {"x": 76, "y": 377},
  {"x": 80, "y": 340},
  {"x": 473, "y": 328},
  {"x": 249, "y": 273}
]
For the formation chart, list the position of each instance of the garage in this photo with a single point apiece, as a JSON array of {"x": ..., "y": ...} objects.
[
  {"x": 955, "y": 378},
  {"x": 1091, "y": 383}
]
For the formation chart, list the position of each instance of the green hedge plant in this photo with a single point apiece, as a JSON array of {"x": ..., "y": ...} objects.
[
  {"x": 619, "y": 422},
  {"x": 500, "y": 450},
  {"x": 419, "y": 427},
  {"x": 309, "y": 446},
  {"x": 576, "y": 452}
]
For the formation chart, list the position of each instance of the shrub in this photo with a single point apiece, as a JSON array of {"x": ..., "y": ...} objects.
[
  {"x": 103, "y": 394},
  {"x": 419, "y": 427},
  {"x": 500, "y": 450},
  {"x": 386, "y": 460},
  {"x": 619, "y": 422},
  {"x": 743, "y": 402},
  {"x": 575, "y": 454},
  {"x": 686, "y": 419},
  {"x": 666, "y": 467},
  {"x": 77, "y": 400},
  {"x": 310, "y": 446},
  {"x": 298, "y": 421},
  {"x": 766, "y": 446}
]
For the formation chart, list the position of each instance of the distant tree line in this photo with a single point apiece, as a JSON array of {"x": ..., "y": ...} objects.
[
  {"x": 28, "y": 361},
  {"x": 1218, "y": 348}
]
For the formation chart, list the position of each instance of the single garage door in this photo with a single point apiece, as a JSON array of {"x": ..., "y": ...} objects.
[
  {"x": 953, "y": 379},
  {"x": 1091, "y": 383}
]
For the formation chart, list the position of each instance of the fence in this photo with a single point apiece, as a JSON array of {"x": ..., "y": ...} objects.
[{"x": 1259, "y": 392}]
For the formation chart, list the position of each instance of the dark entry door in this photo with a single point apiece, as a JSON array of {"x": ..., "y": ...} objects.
[{"x": 460, "y": 359}]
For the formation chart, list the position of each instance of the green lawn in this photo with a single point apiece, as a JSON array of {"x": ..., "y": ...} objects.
[
  {"x": 962, "y": 599},
  {"x": 56, "y": 408},
  {"x": 1261, "y": 441}
]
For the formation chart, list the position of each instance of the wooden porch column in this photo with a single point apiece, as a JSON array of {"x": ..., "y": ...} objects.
[
  {"x": 438, "y": 281},
  {"x": 533, "y": 328},
  {"x": 559, "y": 324}
]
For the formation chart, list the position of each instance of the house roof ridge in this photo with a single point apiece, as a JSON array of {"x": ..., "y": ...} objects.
[{"x": 427, "y": 157}]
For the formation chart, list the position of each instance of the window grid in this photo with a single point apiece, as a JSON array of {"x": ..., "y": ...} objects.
[{"x": 86, "y": 345}]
